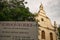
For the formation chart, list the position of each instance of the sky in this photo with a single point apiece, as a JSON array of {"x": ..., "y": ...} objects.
[{"x": 51, "y": 7}]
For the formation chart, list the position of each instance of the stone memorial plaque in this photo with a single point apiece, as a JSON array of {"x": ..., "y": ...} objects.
[{"x": 16, "y": 30}]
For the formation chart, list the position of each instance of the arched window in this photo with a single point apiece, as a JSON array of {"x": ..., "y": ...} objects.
[
  {"x": 43, "y": 35},
  {"x": 51, "y": 36}
]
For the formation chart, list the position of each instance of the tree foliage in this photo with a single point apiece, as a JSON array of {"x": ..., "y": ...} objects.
[
  {"x": 59, "y": 31},
  {"x": 15, "y": 11}
]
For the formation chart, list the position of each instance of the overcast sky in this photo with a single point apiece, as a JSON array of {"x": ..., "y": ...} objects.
[{"x": 51, "y": 7}]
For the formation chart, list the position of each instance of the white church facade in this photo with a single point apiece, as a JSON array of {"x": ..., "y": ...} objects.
[{"x": 46, "y": 31}]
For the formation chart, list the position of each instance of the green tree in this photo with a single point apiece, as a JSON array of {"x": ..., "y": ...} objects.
[
  {"x": 15, "y": 11},
  {"x": 59, "y": 31}
]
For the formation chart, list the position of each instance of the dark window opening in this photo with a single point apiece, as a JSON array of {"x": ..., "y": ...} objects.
[
  {"x": 42, "y": 19},
  {"x": 43, "y": 35},
  {"x": 51, "y": 36}
]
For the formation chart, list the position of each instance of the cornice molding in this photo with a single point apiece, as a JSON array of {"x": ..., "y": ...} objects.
[{"x": 47, "y": 28}]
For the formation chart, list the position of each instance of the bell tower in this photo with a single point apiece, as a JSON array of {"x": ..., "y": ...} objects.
[
  {"x": 41, "y": 7},
  {"x": 41, "y": 10}
]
